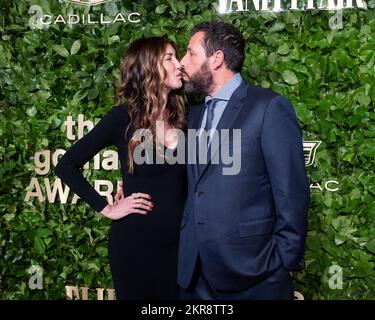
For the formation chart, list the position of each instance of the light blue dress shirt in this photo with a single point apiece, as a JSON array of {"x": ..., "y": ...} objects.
[{"x": 224, "y": 94}]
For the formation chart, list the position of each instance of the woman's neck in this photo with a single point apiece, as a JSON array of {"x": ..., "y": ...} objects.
[{"x": 163, "y": 116}]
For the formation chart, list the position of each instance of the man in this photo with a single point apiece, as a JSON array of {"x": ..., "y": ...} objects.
[{"x": 242, "y": 234}]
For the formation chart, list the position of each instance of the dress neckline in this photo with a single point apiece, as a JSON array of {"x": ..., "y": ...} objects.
[{"x": 165, "y": 147}]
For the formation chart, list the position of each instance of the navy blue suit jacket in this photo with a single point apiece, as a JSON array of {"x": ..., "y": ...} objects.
[{"x": 246, "y": 226}]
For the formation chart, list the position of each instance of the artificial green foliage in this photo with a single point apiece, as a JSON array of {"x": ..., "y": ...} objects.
[{"x": 48, "y": 74}]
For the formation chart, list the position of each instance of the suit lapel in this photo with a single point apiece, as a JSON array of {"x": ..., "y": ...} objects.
[{"x": 230, "y": 114}]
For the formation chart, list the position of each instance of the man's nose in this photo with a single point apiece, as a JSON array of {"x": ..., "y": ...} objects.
[{"x": 182, "y": 62}]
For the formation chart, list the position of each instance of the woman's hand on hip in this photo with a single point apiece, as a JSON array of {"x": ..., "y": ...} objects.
[
  {"x": 136, "y": 203},
  {"x": 119, "y": 195}
]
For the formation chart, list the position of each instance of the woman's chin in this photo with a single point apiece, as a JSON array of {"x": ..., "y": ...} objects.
[{"x": 176, "y": 86}]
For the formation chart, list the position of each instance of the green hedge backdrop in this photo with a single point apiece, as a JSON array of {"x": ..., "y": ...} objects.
[{"x": 51, "y": 73}]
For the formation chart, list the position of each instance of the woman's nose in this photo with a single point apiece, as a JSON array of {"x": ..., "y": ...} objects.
[{"x": 177, "y": 64}]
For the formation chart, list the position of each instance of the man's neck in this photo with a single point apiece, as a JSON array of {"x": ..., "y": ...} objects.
[{"x": 220, "y": 80}]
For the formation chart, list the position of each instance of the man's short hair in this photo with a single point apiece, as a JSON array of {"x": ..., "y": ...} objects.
[{"x": 222, "y": 36}]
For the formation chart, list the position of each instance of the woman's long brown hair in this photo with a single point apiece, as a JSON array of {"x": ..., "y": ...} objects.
[{"x": 142, "y": 87}]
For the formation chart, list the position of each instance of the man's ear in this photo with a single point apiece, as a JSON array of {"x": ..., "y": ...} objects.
[{"x": 217, "y": 59}]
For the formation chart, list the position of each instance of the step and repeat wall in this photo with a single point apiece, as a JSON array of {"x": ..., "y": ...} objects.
[{"x": 59, "y": 64}]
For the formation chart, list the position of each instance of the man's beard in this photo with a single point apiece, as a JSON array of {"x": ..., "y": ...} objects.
[{"x": 200, "y": 82}]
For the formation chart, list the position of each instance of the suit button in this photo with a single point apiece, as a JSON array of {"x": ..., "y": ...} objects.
[{"x": 198, "y": 193}]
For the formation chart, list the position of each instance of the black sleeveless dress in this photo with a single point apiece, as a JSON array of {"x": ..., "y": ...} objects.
[{"x": 142, "y": 248}]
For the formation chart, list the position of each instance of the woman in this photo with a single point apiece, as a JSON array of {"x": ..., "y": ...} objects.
[{"x": 144, "y": 233}]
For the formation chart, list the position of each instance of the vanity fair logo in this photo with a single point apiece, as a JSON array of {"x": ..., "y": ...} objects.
[
  {"x": 333, "y": 6},
  {"x": 43, "y": 20},
  {"x": 226, "y": 6}
]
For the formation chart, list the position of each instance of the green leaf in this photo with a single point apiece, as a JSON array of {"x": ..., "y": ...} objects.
[
  {"x": 369, "y": 151},
  {"x": 60, "y": 50},
  {"x": 75, "y": 47},
  {"x": 363, "y": 269},
  {"x": 54, "y": 122},
  {"x": 80, "y": 94},
  {"x": 32, "y": 111},
  {"x": 328, "y": 200},
  {"x": 348, "y": 157},
  {"x": 366, "y": 30},
  {"x": 353, "y": 120},
  {"x": 156, "y": 32},
  {"x": 93, "y": 266},
  {"x": 290, "y": 77},
  {"x": 31, "y": 38},
  {"x": 173, "y": 5},
  {"x": 278, "y": 26},
  {"x": 254, "y": 71},
  {"x": 43, "y": 232},
  {"x": 39, "y": 245},
  {"x": 9, "y": 216},
  {"x": 93, "y": 93},
  {"x": 370, "y": 246},
  {"x": 44, "y": 142},
  {"x": 181, "y": 6},
  {"x": 283, "y": 49},
  {"x": 161, "y": 9},
  {"x": 366, "y": 55},
  {"x": 47, "y": 240},
  {"x": 339, "y": 239},
  {"x": 355, "y": 194}
]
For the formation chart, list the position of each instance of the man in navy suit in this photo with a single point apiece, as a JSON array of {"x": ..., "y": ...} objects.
[{"x": 242, "y": 234}]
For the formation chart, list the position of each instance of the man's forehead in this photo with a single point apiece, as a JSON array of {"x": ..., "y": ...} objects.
[{"x": 196, "y": 39}]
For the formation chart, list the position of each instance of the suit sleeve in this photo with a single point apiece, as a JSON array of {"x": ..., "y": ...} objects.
[
  {"x": 281, "y": 141},
  {"x": 69, "y": 167}
]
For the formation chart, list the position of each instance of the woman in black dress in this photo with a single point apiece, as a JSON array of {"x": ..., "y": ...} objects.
[{"x": 144, "y": 233}]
